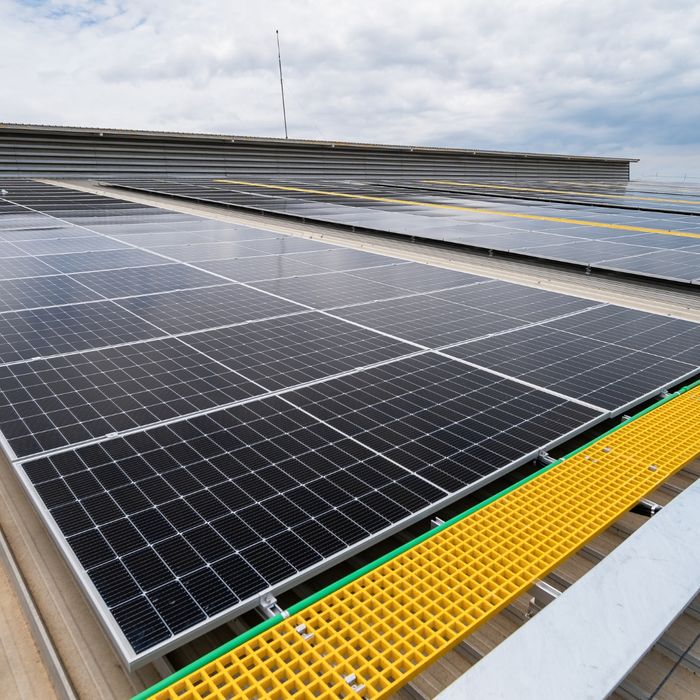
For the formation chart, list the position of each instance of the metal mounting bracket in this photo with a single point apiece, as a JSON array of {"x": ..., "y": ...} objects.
[
  {"x": 542, "y": 594},
  {"x": 646, "y": 507},
  {"x": 544, "y": 459},
  {"x": 351, "y": 680},
  {"x": 268, "y": 607},
  {"x": 303, "y": 631}
]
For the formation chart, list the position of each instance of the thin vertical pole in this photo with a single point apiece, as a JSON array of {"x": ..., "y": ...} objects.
[{"x": 279, "y": 61}]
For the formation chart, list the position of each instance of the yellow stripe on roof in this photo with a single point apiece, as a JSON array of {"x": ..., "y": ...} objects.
[
  {"x": 368, "y": 638},
  {"x": 542, "y": 189},
  {"x": 475, "y": 210}
]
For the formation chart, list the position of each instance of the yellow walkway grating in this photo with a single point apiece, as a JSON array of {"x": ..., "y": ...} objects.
[{"x": 377, "y": 632}]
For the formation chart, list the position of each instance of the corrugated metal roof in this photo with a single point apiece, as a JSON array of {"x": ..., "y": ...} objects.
[{"x": 261, "y": 140}]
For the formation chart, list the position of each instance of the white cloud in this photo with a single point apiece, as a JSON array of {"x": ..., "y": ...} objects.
[{"x": 618, "y": 78}]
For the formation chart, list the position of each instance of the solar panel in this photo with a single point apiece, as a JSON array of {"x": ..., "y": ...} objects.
[
  {"x": 265, "y": 267},
  {"x": 586, "y": 252},
  {"x": 680, "y": 265},
  {"x": 664, "y": 336},
  {"x": 183, "y": 222},
  {"x": 25, "y": 335},
  {"x": 651, "y": 240},
  {"x": 427, "y": 320},
  {"x": 207, "y": 307},
  {"x": 224, "y": 506},
  {"x": 114, "y": 284},
  {"x": 414, "y": 277},
  {"x": 207, "y": 251},
  {"x": 56, "y": 246},
  {"x": 214, "y": 499},
  {"x": 237, "y": 232},
  {"x": 43, "y": 233},
  {"x": 329, "y": 290},
  {"x": 339, "y": 259},
  {"x": 54, "y": 402},
  {"x": 108, "y": 260},
  {"x": 463, "y": 313},
  {"x": 623, "y": 196},
  {"x": 175, "y": 238},
  {"x": 35, "y": 292},
  {"x": 517, "y": 301},
  {"x": 16, "y": 268},
  {"x": 605, "y": 374},
  {"x": 442, "y": 420},
  {"x": 193, "y": 441},
  {"x": 296, "y": 349},
  {"x": 280, "y": 246},
  {"x": 551, "y": 230}
]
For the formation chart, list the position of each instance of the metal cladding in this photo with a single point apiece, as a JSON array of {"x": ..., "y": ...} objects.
[{"x": 53, "y": 151}]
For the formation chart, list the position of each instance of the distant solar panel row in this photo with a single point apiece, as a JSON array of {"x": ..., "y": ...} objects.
[
  {"x": 651, "y": 243},
  {"x": 633, "y": 195},
  {"x": 204, "y": 411}
]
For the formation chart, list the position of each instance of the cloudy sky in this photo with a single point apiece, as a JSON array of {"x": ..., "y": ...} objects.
[{"x": 610, "y": 77}]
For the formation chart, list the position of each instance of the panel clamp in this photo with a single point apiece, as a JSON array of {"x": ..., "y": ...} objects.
[
  {"x": 541, "y": 595},
  {"x": 269, "y": 608},
  {"x": 544, "y": 459}
]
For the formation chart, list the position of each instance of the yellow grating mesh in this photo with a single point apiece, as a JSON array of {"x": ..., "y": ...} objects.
[{"x": 385, "y": 627}]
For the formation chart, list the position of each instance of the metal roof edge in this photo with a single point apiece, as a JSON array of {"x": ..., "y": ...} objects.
[{"x": 271, "y": 140}]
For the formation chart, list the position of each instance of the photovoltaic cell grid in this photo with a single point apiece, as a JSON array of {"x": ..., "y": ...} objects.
[
  {"x": 605, "y": 374},
  {"x": 19, "y": 267},
  {"x": 181, "y": 522},
  {"x": 236, "y": 491},
  {"x": 514, "y": 225},
  {"x": 60, "y": 329},
  {"x": 209, "y": 307},
  {"x": 297, "y": 349},
  {"x": 633, "y": 195},
  {"x": 108, "y": 260},
  {"x": 465, "y": 313},
  {"x": 38, "y": 292},
  {"x": 50, "y": 403},
  {"x": 446, "y": 422}
]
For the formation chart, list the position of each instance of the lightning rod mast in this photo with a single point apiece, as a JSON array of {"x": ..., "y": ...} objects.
[{"x": 279, "y": 61}]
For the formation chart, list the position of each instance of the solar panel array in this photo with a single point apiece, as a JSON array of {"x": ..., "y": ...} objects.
[
  {"x": 667, "y": 198},
  {"x": 597, "y": 233},
  {"x": 204, "y": 412}
]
